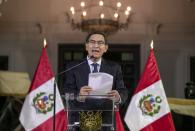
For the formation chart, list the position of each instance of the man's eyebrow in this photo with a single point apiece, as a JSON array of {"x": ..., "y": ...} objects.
[
  {"x": 96, "y": 40},
  {"x": 91, "y": 39}
]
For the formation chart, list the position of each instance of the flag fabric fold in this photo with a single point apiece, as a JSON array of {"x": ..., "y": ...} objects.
[
  {"x": 149, "y": 109},
  {"x": 119, "y": 124},
  {"x": 37, "y": 111}
]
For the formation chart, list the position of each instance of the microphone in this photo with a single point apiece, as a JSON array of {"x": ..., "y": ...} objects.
[{"x": 60, "y": 73}]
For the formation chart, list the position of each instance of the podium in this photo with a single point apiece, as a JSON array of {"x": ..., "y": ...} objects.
[{"x": 89, "y": 113}]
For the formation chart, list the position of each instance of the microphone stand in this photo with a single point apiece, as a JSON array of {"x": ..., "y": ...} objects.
[
  {"x": 54, "y": 89},
  {"x": 72, "y": 67},
  {"x": 54, "y": 102}
]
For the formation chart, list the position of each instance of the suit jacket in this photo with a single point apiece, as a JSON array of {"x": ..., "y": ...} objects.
[{"x": 78, "y": 77}]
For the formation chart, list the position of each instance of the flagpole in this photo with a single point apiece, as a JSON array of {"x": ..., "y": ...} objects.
[
  {"x": 152, "y": 45},
  {"x": 54, "y": 94},
  {"x": 54, "y": 108}
]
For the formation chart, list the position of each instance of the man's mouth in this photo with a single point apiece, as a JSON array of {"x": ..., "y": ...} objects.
[{"x": 95, "y": 51}]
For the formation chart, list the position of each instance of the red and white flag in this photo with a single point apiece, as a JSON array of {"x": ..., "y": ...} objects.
[
  {"x": 37, "y": 111},
  {"x": 149, "y": 109}
]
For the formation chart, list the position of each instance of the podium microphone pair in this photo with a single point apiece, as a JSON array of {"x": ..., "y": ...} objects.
[{"x": 54, "y": 90}]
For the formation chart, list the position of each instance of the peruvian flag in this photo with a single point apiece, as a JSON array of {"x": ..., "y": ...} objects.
[
  {"x": 38, "y": 109},
  {"x": 149, "y": 109}
]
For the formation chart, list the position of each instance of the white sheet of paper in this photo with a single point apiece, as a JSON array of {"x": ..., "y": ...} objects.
[{"x": 101, "y": 83}]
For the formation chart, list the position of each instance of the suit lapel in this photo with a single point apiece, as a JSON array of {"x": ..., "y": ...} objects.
[
  {"x": 103, "y": 67},
  {"x": 84, "y": 72}
]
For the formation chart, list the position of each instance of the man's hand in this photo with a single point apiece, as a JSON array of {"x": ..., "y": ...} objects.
[
  {"x": 114, "y": 95},
  {"x": 85, "y": 90}
]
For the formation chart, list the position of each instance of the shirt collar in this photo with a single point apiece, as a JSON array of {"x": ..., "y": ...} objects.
[{"x": 91, "y": 62}]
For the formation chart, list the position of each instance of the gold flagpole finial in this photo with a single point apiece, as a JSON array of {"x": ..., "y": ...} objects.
[
  {"x": 152, "y": 45},
  {"x": 44, "y": 42}
]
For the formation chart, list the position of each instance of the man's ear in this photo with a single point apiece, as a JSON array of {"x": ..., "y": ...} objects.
[
  {"x": 86, "y": 46},
  {"x": 106, "y": 48}
]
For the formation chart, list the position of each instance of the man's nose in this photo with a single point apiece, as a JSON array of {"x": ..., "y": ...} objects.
[{"x": 95, "y": 44}]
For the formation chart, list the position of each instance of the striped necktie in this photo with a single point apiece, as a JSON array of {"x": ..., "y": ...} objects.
[{"x": 95, "y": 69}]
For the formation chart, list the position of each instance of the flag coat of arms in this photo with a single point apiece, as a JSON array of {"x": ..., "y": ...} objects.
[
  {"x": 38, "y": 108},
  {"x": 149, "y": 109}
]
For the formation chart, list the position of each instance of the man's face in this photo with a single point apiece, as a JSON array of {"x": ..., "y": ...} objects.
[{"x": 96, "y": 46}]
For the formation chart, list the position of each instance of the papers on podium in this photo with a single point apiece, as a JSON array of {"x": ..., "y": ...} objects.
[{"x": 101, "y": 83}]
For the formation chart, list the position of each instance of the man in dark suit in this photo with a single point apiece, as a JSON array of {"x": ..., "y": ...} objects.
[{"x": 77, "y": 79}]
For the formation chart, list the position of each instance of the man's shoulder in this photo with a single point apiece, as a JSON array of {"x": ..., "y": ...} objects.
[{"x": 111, "y": 63}]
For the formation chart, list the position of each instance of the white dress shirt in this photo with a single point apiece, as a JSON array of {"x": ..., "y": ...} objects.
[{"x": 91, "y": 62}]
